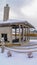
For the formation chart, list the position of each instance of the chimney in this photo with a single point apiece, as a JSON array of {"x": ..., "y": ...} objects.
[{"x": 6, "y": 13}]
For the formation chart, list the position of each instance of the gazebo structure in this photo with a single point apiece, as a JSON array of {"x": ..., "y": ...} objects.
[
  {"x": 6, "y": 31},
  {"x": 7, "y": 26}
]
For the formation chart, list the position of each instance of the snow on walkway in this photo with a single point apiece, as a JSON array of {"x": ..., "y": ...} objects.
[
  {"x": 26, "y": 50},
  {"x": 17, "y": 59}
]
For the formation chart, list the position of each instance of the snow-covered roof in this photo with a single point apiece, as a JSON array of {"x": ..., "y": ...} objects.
[{"x": 11, "y": 22}]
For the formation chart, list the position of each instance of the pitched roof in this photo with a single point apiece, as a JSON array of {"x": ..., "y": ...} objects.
[{"x": 14, "y": 22}]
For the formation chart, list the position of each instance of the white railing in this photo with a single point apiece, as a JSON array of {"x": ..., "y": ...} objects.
[{"x": 25, "y": 50}]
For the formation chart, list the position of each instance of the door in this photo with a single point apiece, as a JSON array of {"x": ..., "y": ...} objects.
[{"x": 5, "y": 36}]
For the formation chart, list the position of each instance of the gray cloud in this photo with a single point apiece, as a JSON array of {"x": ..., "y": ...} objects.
[{"x": 18, "y": 3}]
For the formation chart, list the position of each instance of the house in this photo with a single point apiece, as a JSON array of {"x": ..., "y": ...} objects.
[{"x": 7, "y": 25}]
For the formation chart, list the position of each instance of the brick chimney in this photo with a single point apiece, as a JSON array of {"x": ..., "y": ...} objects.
[{"x": 6, "y": 13}]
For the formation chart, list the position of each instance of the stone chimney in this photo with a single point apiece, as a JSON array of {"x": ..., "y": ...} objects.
[{"x": 6, "y": 13}]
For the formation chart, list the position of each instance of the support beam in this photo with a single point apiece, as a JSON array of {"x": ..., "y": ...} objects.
[
  {"x": 28, "y": 30},
  {"x": 10, "y": 34},
  {"x": 23, "y": 32},
  {"x": 15, "y": 33},
  {"x": 19, "y": 34},
  {"x": 29, "y": 33},
  {"x": 26, "y": 33}
]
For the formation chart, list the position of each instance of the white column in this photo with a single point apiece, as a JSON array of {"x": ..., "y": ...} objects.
[
  {"x": 10, "y": 34},
  {"x": 15, "y": 33},
  {"x": 23, "y": 32},
  {"x": 26, "y": 34},
  {"x": 19, "y": 35},
  {"x": 29, "y": 33}
]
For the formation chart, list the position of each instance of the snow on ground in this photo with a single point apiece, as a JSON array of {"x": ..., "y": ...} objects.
[
  {"x": 33, "y": 41},
  {"x": 17, "y": 59}
]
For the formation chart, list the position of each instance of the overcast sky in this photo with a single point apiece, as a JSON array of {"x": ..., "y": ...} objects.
[{"x": 21, "y": 9}]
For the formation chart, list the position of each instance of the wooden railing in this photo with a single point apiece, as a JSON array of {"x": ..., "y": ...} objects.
[{"x": 35, "y": 35}]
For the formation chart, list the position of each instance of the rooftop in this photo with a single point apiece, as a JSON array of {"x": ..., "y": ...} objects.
[{"x": 11, "y": 22}]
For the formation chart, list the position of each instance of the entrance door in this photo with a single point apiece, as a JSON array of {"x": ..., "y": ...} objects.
[{"x": 5, "y": 36}]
